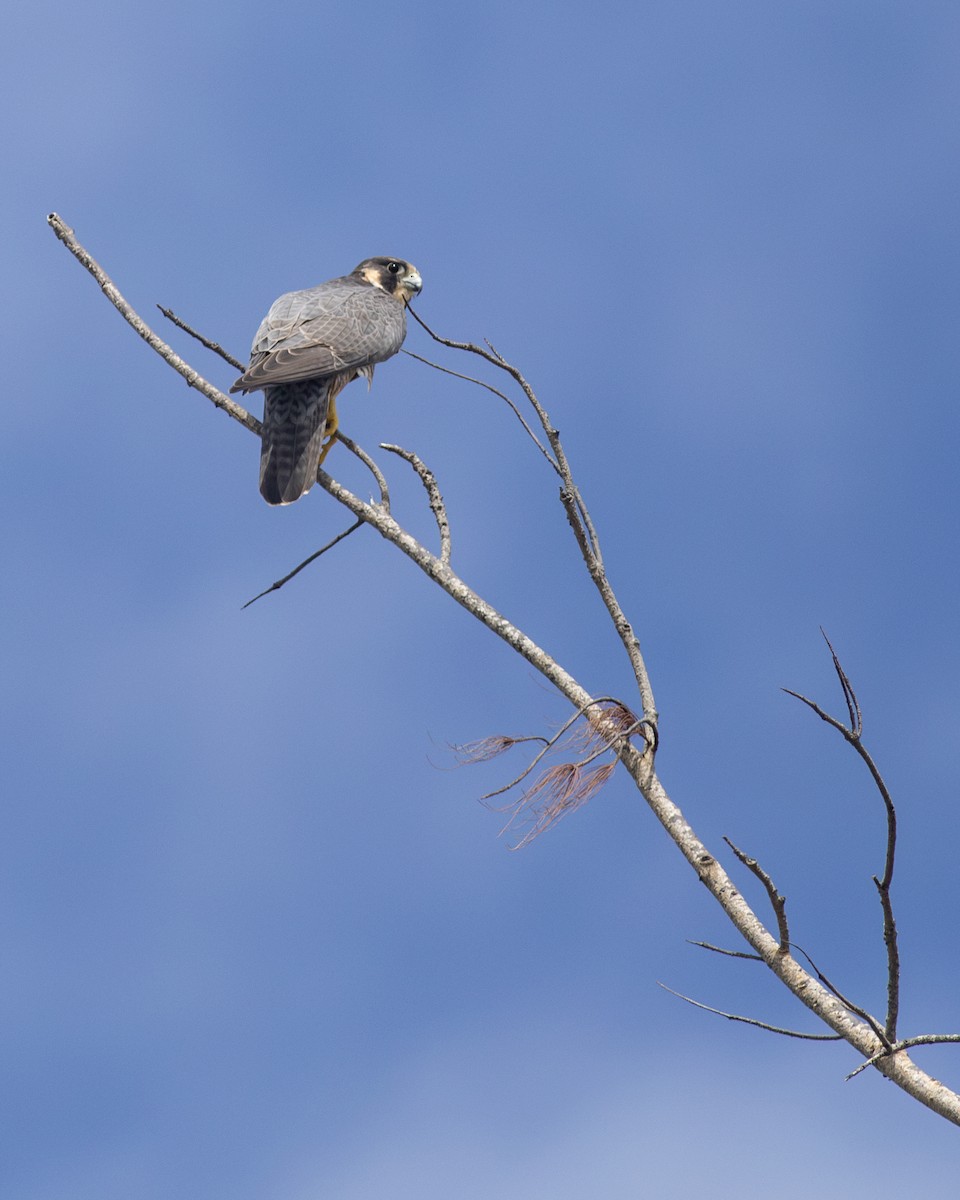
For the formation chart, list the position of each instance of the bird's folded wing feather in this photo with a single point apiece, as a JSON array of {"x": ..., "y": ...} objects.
[{"x": 338, "y": 327}]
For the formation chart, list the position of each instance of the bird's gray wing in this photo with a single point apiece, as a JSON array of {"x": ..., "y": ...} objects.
[{"x": 341, "y": 326}]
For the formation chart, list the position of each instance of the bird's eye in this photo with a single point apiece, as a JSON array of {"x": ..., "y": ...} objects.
[{"x": 394, "y": 268}]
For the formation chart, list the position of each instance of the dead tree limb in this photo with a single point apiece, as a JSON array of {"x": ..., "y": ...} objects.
[{"x": 891, "y": 1060}]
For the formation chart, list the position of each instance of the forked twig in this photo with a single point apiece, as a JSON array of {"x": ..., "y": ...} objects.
[
  {"x": 852, "y": 733},
  {"x": 578, "y": 517},
  {"x": 490, "y": 388},
  {"x": 496, "y": 359}
]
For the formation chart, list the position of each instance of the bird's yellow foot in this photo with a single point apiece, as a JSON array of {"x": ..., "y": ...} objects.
[{"x": 330, "y": 431}]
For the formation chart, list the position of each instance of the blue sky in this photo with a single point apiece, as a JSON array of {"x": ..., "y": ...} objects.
[{"x": 258, "y": 938}]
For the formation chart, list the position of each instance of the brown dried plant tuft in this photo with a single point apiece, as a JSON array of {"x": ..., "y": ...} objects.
[
  {"x": 562, "y": 787},
  {"x": 484, "y": 749},
  {"x": 557, "y": 791},
  {"x": 613, "y": 720}
]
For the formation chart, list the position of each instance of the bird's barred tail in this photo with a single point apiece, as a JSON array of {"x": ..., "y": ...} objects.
[{"x": 294, "y": 419}]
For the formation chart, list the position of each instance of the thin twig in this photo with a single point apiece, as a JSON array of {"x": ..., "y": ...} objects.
[
  {"x": 849, "y": 695},
  {"x": 471, "y": 347},
  {"x": 493, "y": 356},
  {"x": 496, "y": 391},
  {"x": 437, "y": 507},
  {"x": 794, "y": 1033},
  {"x": 726, "y": 953},
  {"x": 371, "y": 466},
  {"x": 578, "y": 516},
  {"x": 821, "y": 713},
  {"x": 306, "y": 563},
  {"x": 214, "y": 346},
  {"x": 854, "y": 1008},
  {"x": 777, "y": 901}
]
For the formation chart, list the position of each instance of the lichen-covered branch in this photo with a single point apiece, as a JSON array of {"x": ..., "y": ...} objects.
[{"x": 437, "y": 506}]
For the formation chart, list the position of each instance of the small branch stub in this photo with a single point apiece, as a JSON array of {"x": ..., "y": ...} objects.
[{"x": 777, "y": 901}]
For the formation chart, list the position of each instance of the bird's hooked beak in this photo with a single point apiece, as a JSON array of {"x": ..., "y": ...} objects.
[{"x": 412, "y": 283}]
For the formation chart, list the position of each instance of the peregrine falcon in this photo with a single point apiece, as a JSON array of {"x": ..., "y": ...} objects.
[{"x": 310, "y": 345}]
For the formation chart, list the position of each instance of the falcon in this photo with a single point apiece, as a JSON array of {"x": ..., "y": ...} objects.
[{"x": 310, "y": 345}]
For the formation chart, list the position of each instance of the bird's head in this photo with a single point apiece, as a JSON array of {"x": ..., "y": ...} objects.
[{"x": 391, "y": 275}]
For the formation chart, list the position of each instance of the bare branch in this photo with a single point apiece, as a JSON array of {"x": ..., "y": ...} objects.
[
  {"x": 854, "y": 1008},
  {"x": 496, "y": 391},
  {"x": 891, "y": 944},
  {"x": 577, "y": 514},
  {"x": 494, "y": 357},
  {"x": 807, "y": 1037},
  {"x": 924, "y": 1039},
  {"x": 108, "y": 287},
  {"x": 842, "y": 1018},
  {"x": 214, "y": 346},
  {"x": 371, "y": 466},
  {"x": 470, "y": 347},
  {"x": 384, "y": 502},
  {"x": 890, "y": 939},
  {"x": 853, "y": 705},
  {"x": 883, "y": 886},
  {"x": 437, "y": 507},
  {"x": 824, "y": 716},
  {"x": 777, "y": 901},
  {"x": 727, "y": 953},
  {"x": 852, "y": 734},
  {"x": 306, "y": 563}
]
